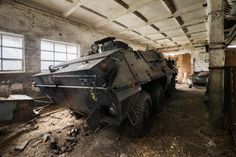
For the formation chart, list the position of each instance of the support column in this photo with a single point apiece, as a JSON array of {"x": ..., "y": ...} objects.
[{"x": 217, "y": 61}]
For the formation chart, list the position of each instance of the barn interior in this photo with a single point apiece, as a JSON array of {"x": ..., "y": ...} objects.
[{"x": 193, "y": 39}]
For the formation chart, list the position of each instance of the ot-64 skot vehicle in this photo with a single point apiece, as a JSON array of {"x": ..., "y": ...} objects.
[{"x": 113, "y": 85}]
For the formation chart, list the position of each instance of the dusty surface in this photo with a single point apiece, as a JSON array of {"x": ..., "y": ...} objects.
[{"x": 175, "y": 133}]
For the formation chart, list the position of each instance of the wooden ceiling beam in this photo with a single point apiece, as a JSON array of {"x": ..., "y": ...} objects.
[{"x": 73, "y": 7}]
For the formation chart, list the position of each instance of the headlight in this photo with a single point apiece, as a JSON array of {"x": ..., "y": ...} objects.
[{"x": 95, "y": 47}]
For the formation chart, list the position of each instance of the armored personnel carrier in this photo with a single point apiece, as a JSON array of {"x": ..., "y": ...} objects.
[{"x": 113, "y": 85}]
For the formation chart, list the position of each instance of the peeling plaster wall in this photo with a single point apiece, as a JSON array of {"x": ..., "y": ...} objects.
[{"x": 36, "y": 25}]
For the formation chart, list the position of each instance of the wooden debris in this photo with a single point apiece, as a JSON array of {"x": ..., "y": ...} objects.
[{"x": 21, "y": 146}]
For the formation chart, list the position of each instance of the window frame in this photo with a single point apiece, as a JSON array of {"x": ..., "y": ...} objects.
[
  {"x": 12, "y": 59},
  {"x": 54, "y": 42}
]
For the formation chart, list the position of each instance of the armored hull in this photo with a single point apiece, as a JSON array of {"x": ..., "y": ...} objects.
[{"x": 108, "y": 81}]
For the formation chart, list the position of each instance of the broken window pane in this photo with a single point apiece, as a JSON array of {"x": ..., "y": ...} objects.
[
  {"x": 60, "y": 47},
  {"x": 11, "y": 53},
  {"x": 47, "y": 55},
  {"x": 12, "y": 65},
  {"x": 12, "y": 41},
  {"x": 46, "y": 64},
  {"x": 48, "y": 46}
]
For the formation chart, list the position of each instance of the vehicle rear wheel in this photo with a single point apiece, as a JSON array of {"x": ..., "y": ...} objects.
[
  {"x": 157, "y": 94},
  {"x": 171, "y": 88},
  {"x": 141, "y": 119}
]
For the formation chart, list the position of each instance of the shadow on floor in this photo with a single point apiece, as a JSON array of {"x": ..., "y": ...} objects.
[{"x": 175, "y": 133}]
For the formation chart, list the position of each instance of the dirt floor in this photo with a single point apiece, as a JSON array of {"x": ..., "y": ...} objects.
[{"x": 176, "y": 132}]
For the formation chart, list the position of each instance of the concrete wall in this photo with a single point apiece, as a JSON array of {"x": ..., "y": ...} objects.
[{"x": 36, "y": 25}]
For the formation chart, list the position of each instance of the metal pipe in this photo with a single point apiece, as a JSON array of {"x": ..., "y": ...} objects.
[{"x": 73, "y": 87}]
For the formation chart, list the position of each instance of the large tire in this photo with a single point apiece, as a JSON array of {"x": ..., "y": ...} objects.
[
  {"x": 157, "y": 95},
  {"x": 142, "y": 109},
  {"x": 171, "y": 88}
]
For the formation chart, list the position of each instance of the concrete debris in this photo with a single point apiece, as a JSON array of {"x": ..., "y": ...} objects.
[
  {"x": 67, "y": 146},
  {"x": 123, "y": 155},
  {"x": 21, "y": 146},
  {"x": 74, "y": 132}
]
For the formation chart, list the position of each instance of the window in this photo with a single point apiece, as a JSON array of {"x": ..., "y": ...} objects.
[
  {"x": 53, "y": 53},
  {"x": 11, "y": 52}
]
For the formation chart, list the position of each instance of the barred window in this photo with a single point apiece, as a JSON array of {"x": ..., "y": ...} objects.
[
  {"x": 11, "y": 52},
  {"x": 54, "y": 52}
]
